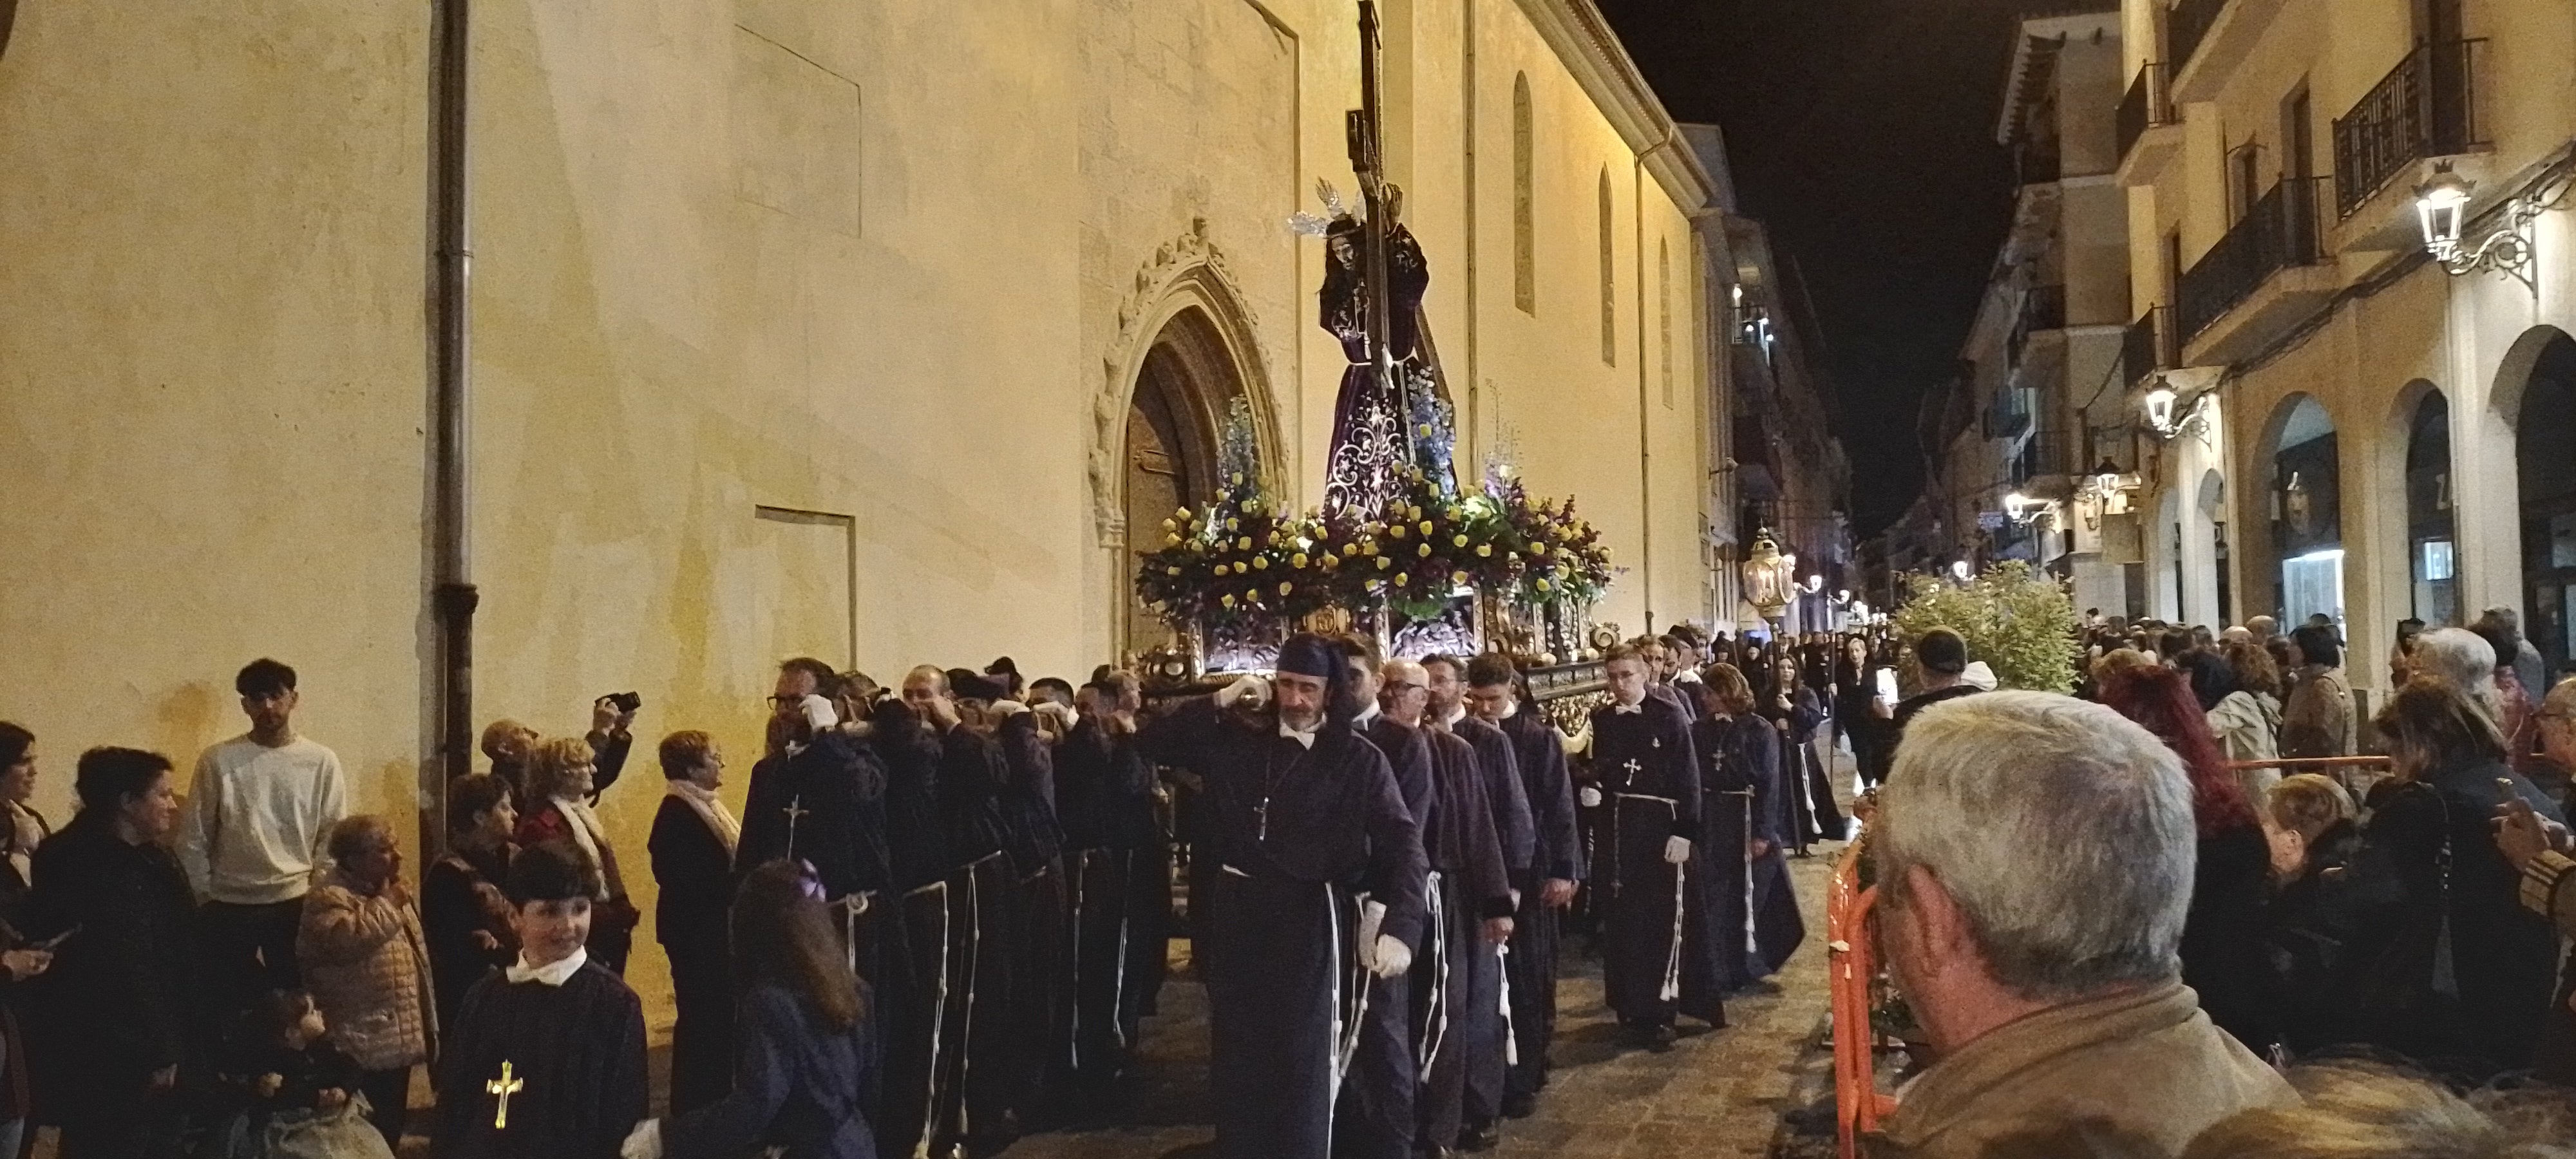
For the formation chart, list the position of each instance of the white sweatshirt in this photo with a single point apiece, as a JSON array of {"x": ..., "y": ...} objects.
[{"x": 258, "y": 819}]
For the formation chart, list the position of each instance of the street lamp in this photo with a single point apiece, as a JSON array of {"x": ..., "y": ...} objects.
[
  {"x": 2442, "y": 212},
  {"x": 2440, "y": 204},
  {"x": 2169, "y": 414}
]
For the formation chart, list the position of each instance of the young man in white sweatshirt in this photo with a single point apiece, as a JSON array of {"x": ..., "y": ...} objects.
[{"x": 259, "y": 814}]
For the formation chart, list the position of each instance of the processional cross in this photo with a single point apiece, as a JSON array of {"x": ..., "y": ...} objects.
[
  {"x": 504, "y": 1087},
  {"x": 1364, "y": 127}
]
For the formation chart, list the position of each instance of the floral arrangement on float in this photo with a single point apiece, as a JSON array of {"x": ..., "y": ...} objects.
[{"x": 1433, "y": 570}]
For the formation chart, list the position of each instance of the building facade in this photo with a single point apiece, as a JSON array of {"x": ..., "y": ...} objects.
[
  {"x": 880, "y": 333},
  {"x": 2019, "y": 441},
  {"x": 2342, "y": 419}
]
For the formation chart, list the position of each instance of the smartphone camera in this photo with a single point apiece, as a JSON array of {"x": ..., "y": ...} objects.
[{"x": 625, "y": 701}]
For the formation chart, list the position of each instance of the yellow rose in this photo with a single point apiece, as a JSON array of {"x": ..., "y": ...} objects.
[
  {"x": 1297, "y": 560},
  {"x": 1485, "y": 550},
  {"x": 1458, "y": 577},
  {"x": 1227, "y": 600},
  {"x": 1426, "y": 525},
  {"x": 1542, "y": 585},
  {"x": 1172, "y": 571},
  {"x": 1332, "y": 561},
  {"x": 1238, "y": 478},
  {"x": 1382, "y": 561},
  {"x": 1350, "y": 549},
  {"x": 1396, "y": 531},
  {"x": 1372, "y": 585},
  {"x": 1424, "y": 550},
  {"x": 1538, "y": 549},
  {"x": 1284, "y": 589},
  {"x": 1262, "y": 562},
  {"x": 1181, "y": 513},
  {"x": 1457, "y": 541},
  {"x": 1244, "y": 544},
  {"x": 1171, "y": 541},
  {"x": 1402, "y": 579}
]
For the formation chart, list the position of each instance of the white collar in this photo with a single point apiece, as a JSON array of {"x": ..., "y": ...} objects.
[
  {"x": 1629, "y": 709},
  {"x": 1367, "y": 717},
  {"x": 1305, "y": 738},
  {"x": 1511, "y": 708},
  {"x": 1455, "y": 715},
  {"x": 555, "y": 974}
]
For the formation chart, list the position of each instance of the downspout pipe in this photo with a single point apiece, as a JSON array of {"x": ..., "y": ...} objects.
[{"x": 452, "y": 594}]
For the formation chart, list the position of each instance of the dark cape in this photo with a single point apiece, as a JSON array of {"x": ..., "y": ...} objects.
[
  {"x": 974, "y": 787},
  {"x": 823, "y": 804},
  {"x": 692, "y": 919},
  {"x": 577, "y": 1053},
  {"x": 1650, "y": 783},
  {"x": 1457, "y": 978},
  {"x": 1556, "y": 853},
  {"x": 1754, "y": 923},
  {"x": 1041, "y": 1018},
  {"x": 911, "y": 936},
  {"x": 795, "y": 1086},
  {"x": 1489, "y": 1043},
  {"x": 1119, "y": 897},
  {"x": 1380, "y": 1118},
  {"x": 1813, "y": 813},
  {"x": 1297, "y": 836}
]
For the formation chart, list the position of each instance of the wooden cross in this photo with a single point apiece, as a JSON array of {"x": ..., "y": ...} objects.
[
  {"x": 504, "y": 1086},
  {"x": 795, "y": 811}
]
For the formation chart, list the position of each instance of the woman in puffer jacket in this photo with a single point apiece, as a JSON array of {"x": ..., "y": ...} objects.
[{"x": 367, "y": 964}]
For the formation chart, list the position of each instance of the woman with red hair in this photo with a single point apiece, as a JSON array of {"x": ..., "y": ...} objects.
[{"x": 2222, "y": 940}]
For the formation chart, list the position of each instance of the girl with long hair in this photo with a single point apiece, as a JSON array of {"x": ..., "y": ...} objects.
[{"x": 806, "y": 1047}]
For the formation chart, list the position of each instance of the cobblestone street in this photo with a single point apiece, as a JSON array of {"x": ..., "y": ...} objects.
[{"x": 1716, "y": 1095}]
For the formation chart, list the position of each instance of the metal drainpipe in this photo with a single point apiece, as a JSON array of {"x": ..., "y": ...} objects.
[{"x": 452, "y": 594}]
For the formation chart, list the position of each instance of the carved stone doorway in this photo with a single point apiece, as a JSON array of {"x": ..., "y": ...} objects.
[{"x": 1175, "y": 421}]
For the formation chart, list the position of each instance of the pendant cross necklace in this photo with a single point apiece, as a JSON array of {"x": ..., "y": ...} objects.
[
  {"x": 795, "y": 811},
  {"x": 504, "y": 1087}
]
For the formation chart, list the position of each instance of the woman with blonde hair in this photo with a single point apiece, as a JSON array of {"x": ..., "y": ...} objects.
[
  {"x": 2467, "y": 972},
  {"x": 561, "y": 773}
]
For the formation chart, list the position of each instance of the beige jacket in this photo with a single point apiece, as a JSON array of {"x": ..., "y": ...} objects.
[
  {"x": 2133, "y": 1076},
  {"x": 367, "y": 965}
]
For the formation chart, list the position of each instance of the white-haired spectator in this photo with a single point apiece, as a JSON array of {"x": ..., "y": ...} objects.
[
  {"x": 2463, "y": 658},
  {"x": 2036, "y": 856}
]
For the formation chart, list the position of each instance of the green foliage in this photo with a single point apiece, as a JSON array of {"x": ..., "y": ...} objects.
[{"x": 2021, "y": 622}]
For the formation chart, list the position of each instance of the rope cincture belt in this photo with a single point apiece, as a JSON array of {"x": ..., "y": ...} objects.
[{"x": 1672, "y": 987}]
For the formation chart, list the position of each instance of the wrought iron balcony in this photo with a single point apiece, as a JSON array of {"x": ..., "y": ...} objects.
[
  {"x": 2043, "y": 308},
  {"x": 2280, "y": 231},
  {"x": 2145, "y": 106},
  {"x": 2188, "y": 23},
  {"x": 2425, "y": 107},
  {"x": 2149, "y": 346},
  {"x": 2047, "y": 453},
  {"x": 2008, "y": 413}
]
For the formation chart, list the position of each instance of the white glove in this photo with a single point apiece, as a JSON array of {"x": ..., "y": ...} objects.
[
  {"x": 1058, "y": 713},
  {"x": 1393, "y": 959},
  {"x": 644, "y": 1142},
  {"x": 1247, "y": 688},
  {"x": 1591, "y": 797},
  {"x": 1676, "y": 850},
  {"x": 1006, "y": 709}
]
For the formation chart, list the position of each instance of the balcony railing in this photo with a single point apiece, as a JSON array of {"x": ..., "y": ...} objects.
[
  {"x": 2425, "y": 107},
  {"x": 2008, "y": 413},
  {"x": 2146, "y": 106},
  {"x": 2047, "y": 453},
  {"x": 2043, "y": 308},
  {"x": 2190, "y": 21},
  {"x": 2149, "y": 346},
  {"x": 2279, "y": 232}
]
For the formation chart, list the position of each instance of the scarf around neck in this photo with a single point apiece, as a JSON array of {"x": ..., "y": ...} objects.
[{"x": 710, "y": 809}]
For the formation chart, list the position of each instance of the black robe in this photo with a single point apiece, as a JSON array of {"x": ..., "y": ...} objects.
[
  {"x": 1457, "y": 979},
  {"x": 911, "y": 936},
  {"x": 1379, "y": 1120},
  {"x": 1650, "y": 784},
  {"x": 1556, "y": 854},
  {"x": 692, "y": 919},
  {"x": 825, "y": 805},
  {"x": 1505, "y": 790},
  {"x": 1814, "y": 815},
  {"x": 1119, "y": 896},
  {"x": 1295, "y": 836},
  {"x": 460, "y": 895},
  {"x": 974, "y": 783},
  {"x": 1040, "y": 1023},
  {"x": 1754, "y": 923},
  {"x": 576, "y": 1058}
]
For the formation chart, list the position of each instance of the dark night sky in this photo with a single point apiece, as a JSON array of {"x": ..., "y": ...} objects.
[{"x": 1862, "y": 133}]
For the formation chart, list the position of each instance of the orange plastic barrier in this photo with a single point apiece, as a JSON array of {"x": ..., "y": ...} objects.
[{"x": 1853, "y": 960}]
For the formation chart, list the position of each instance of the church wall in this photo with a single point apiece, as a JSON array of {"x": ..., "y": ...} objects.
[{"x": 212, "y": 368}]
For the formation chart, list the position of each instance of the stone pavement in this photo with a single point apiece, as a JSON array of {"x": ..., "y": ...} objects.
[{"x": 1716, "y": 1095}]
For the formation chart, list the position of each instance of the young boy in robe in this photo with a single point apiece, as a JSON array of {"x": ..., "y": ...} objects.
[{"x": 547, "y": 1059}]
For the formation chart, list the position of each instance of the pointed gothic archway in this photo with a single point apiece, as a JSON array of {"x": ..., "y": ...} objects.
[{"x": 1185, "y": 354}]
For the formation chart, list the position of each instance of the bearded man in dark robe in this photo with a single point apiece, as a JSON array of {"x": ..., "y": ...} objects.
[{"x": 1317, "y": 893}]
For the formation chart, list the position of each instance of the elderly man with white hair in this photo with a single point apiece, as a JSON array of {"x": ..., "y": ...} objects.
[{"x": 2035, "y": 856}]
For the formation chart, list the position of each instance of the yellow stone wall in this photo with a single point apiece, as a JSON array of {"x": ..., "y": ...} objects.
[{"x": 874, "y": 267}]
